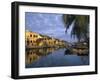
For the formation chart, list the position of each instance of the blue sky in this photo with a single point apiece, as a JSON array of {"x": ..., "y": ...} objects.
[{"x": 47, "y": 24}]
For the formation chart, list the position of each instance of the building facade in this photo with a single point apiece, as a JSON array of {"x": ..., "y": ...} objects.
[{"x": 35, "y": 40}]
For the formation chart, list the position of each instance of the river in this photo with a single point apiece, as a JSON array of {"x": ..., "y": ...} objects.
[{"x": 53, "y": 57}]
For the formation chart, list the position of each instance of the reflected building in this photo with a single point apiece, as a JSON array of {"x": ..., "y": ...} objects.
[{"x": 33, "y": 55}]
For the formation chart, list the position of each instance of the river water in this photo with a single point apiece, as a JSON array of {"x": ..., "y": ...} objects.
[{"x": 53, "y": 57}]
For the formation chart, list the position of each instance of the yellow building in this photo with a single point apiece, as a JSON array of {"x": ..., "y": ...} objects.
[
  {"x": 30, "y": 38},
  {"x": 34, "y": 40}
]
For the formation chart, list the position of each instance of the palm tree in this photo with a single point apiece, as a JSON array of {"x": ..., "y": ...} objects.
[{"x": 80, "y": 28}]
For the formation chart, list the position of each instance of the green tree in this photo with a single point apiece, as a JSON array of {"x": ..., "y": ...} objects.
[{"x": 80, "y": 27}]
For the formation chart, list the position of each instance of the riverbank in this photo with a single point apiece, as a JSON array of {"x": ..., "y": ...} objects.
[{"x": 41, "y": 47}]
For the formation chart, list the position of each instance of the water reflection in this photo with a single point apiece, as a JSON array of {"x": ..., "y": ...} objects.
[
  {"x": 34, "y": 54},
  {"x": 50, "y": 57},
  {"x": 79, "y": 52}
]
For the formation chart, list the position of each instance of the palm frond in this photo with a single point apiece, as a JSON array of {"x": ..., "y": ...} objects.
[{"x": 81, "y": 25}]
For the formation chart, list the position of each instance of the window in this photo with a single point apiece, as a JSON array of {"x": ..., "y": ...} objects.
[
  {"x": 28, "y": 42},
  {"x": 54, "y": 41},
  {"x": 32, "y": 44},
  {"x": 30, "y": 35},
  {"x": 33, "y": 35},
  {"x": 31, "y": 53},
  {"x": 28, "y": 52}
]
